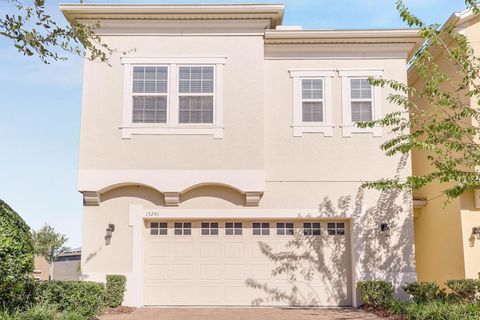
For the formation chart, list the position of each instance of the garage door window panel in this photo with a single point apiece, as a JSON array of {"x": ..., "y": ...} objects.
[
  {"x": 336, "y": 228},
  {"x": 285, "y": 229},
  {"x": 311, "y": 229},
  {"x": 209, "y": 228},
  {"x": 233, "y": 228},
  {"x": 158, "y": 228},
  {"x": 261, "y": 228},
  {"x": 183, "y": 228}
]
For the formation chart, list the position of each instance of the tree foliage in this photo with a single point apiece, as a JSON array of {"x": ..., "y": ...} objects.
[
  {"x": 446, "y": 131},
  {"x": 49, "y": 243},
  {"x": 16, "y": 260},
  {"x": 35, "y": 33}
]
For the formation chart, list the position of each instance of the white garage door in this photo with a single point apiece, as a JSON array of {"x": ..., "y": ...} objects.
[{"x": 247, "y": 263}]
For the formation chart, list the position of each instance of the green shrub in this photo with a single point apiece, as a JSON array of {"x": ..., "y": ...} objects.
[
  {"x": 86, "y": 298},
  {"x": 425, "y": 292},
  {"x": 465, "y": 290},
  {"x": 115, "y": 289},
  {"x": 442, "y": 311},
  {"x": 376, "y": 293},
  {"x": 16, "y": 260}
]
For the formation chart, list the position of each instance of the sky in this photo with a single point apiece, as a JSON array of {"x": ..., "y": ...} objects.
[{"x": 40, "y": 106}]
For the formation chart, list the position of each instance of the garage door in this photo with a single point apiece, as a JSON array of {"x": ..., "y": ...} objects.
[{"x": 245, "y": 263}]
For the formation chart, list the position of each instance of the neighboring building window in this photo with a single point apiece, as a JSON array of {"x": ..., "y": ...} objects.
[
  {"x": 183, "y": 228},
  {"x": 361, "y": 100},
  {"x": 261, "y": 228},
  {"x": 336, "y": 228},
  {"x": 233, "y": 228},
  {"x": 196, "y": 94},
  {"x": 210, "y": 228},
  {"x": 311, "y": 228},
  {"x": 285, "y": 229},
  {"x": 149, "y": 94},
  {"x": 312, "y": 100},
  {"x": 158, "y": 228}
]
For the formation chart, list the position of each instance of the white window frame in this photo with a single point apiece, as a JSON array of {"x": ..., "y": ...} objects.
[
  {"x": 172, "y": 126},
  {"x": 348, "y": 127},
  {"x": 326, "y": 126},
  {"x": 197, "y": 94},
  {"x": 166, "y": 94}
]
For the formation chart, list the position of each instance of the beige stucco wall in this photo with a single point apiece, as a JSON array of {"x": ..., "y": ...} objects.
[{"x": 242, "y": 143}]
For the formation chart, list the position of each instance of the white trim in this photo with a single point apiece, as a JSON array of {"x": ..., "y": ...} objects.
[
  {"x": 172, "y": 126},
  {"x": 326, "y": 126},
  {"x": 171, "y": 180},
  {"x": 348, "y": 127},
  {"x": 173, "y": 60},
  {"x": 246, "y": 213},
  {"x": 360, "y": 72}
]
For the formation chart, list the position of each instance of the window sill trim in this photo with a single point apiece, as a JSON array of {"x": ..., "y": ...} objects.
[
  {"x": 348, "y": 130},
  {"x": 215, "y": 131},
  {"x": 300, "y": 129}
]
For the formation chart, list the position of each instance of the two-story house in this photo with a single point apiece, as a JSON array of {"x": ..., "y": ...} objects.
[{"x": 220, "y": 163}]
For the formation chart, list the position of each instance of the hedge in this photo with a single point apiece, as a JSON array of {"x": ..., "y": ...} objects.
[
  {"x": 16, "y": 260},
  {"x": 425, "y": 292},
  {"x": 84, "y": 297},
  {"x": 115, "y": 289},
  {"x": 375, "y": 293}
]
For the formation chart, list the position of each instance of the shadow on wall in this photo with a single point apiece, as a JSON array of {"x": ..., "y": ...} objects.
[{"x": 314, "y": 274}]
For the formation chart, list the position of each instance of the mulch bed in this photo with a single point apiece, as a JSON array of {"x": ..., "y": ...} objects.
[
  {"x": 119, "y": 310},
  {"x": 384, "y": 313}
]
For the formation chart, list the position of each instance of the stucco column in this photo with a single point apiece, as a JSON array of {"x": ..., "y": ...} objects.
[{"x": 134, "y": 292}]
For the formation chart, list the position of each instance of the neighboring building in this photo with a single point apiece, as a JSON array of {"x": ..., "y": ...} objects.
[
  {"x": 40, "y": 272},
  {"x": 67, "y": 265},
  {"x": 446, "y": 242},
  {"x": 220, "y": 163}
]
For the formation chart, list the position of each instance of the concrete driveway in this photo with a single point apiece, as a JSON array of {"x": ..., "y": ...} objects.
[{"x": 243, "y": 314}]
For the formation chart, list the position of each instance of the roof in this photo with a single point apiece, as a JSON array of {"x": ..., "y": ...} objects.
[
  {"x": 272, "y": 12},
  {"x": 265, "y": 17}
]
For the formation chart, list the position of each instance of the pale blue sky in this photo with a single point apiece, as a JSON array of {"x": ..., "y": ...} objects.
[{"x": 40, "y": 107}]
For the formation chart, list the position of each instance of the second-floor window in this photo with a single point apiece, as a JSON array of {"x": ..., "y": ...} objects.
[
  {"x": 173, "y": 95},
  {"x": 149, "y": 94},
  {"x": 361, "y": 100},
  {"x": 312, "y": 100},
  {"x": 196, "y": 94}
]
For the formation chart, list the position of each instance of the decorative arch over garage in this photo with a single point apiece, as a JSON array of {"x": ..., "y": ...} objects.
[{"x": 171, "y": 183}]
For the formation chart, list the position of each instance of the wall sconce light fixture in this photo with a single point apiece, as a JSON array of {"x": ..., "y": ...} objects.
[
  {"x": 385, "y": 229},
  {"x": 108, "y": 236},
  {"x": 476, "y": 232}
]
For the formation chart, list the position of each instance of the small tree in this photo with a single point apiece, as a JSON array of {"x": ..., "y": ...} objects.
[
  {"x": 34, "y": 33},
  {"x": 447, "y": 131},
  {"x": 49, "y": 244}
]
